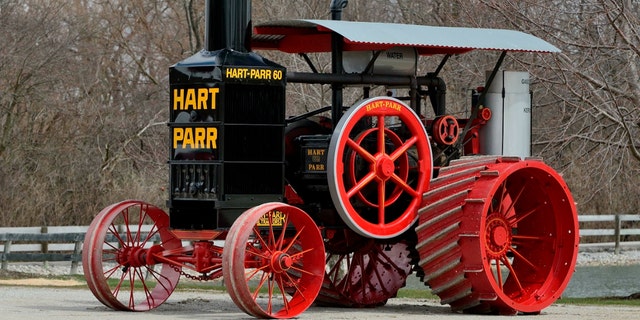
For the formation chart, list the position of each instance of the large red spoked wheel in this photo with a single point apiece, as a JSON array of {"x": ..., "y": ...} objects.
[
  {"x": 499, "y": 235},
  {"x": 273, "y": 261},
  {"x": 363, "y": 272},
  {"x": 118, "y": 256},
  {"x": 379, "y": 165}
]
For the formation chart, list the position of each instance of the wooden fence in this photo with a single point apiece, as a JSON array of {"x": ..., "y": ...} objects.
[
  {"x": 34, "y": 244},
  {"x": 40, "y": 244},
  {"x": 621, "y": 226},
  {"x": 46, "y": 244}
]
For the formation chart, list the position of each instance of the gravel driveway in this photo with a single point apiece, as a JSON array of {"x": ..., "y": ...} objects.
[
  {"x": 37, "y": 303},
  {"x": 29, "y": 300}
]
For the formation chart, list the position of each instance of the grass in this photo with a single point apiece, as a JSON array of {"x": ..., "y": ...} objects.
[{"x": 605, "y": 301}]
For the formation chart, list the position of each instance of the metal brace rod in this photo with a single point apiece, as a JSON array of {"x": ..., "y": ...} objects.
[
  {"x": 474, "y": 108},
  {"x": 309, "y": 63}
]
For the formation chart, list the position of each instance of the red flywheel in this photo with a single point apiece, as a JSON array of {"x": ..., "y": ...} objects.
[{"x": 378, "y": 167}]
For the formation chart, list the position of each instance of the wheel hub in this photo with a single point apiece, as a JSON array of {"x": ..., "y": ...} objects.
[
  {"x": 498, "y": 235},
  {"x": 131, "y": 256},
  {"x": 281, "y": 262},
  {"x": 384, "y": 167}
]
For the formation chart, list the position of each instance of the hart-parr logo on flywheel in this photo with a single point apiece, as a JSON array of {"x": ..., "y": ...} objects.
[
  {"x": 272, "y": 218},
  {"x": 383, "y": 103}
]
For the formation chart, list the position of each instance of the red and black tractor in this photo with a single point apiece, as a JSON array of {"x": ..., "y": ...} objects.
[{"x": 338, "y": 206}]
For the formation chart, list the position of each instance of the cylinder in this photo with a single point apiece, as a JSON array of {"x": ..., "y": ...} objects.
[
  {"x": 509, "y": 130},
  {"x": 228, "y": 25}
]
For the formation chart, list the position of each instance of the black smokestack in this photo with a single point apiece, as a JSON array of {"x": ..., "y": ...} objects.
[{"x": 228, "y": 25}]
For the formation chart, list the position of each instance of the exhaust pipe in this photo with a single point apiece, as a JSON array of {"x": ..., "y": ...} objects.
[{"x": 228, "y": 25}]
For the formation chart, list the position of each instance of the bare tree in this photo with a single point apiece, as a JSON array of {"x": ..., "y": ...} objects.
[
  {"x": 83, "y": 105},
  {"x": 590, "y": 98},
  {"x": 84, "y": 92}
]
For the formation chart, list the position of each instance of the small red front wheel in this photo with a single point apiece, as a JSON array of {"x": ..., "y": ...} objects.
[
  {"x": 118, "y": 256},
  {"x": 273, "y": 261}
]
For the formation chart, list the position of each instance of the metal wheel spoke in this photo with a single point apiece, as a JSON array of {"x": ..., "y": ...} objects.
[
  {"x": 112, "y": 259},
  {"x": 378, "y": 270},
  {"x": 294, "y": 239},
  {"x": 295, "y": 286},
  {"x": 140, "y": 218},
  {"x": 160, "y": 279},
  {"x": 361, "y": 184},
  {"x": 299, "y": 254},
  {"x": 514, "y": 220},
  {"x": 280, "y": 242},
  {"x": 361, "y": 151},
  {"x": 521, "y": 257},
  {"x": 145, "y": 288},
  {"x": 115, "y": 249},
  {"x": 255, "y": 252},
  {"x": 363, "y": 284},
  {"x": 116, "y": 289},
  {"x": 125, "y": 217},
  {"x": 154, "y": 230},
  {"x": 110, "y": 272},
  {"x": 302, "y": 270},
  {"x": 385, "y": 258},
  {"x": 403, "y": 184},
  {"x": 271, "y": 238},
  {"x": 503, "y": 194},
  {"x": 380, "y": 280},
  {"x": 498, "y": 272},
  {"x": 285, "y": 301},
  {"x": 513, "y": 203},
  {"x": 267, "y": 247},
  {"x": 269, "y": 294},
  {"x": 381, "y": 140},
  {"x": 403, "y": 148},
  {"x": 336, "y": 267},
  {"x": 521, "y": 239},
  {"x": 250, "y": 274},
  {"x": 131, "y": 286},
  {"x": 351, "y": 266},
  {"x": 381, "y": 203},
  {"x": 263, "y": 279},
  {"x": 114, "y": 232},
  {"x": 512, "y": 273}
]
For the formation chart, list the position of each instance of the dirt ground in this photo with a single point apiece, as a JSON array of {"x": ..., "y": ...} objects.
[{"x": 30, "y": 298}]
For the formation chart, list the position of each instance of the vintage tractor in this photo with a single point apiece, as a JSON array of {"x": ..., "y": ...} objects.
[{"x": 338, "y": 206}]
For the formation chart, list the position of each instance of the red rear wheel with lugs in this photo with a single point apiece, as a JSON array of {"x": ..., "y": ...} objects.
[
  {"x": 363, "y": 272},
  {"x": 499, "y": 235},
  {"x": 118, "y": 256},
  {"x": 273, "y": 261}
]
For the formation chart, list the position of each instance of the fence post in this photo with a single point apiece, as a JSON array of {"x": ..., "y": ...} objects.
[
  {"x": 7, "y": 249},
  {"x": 45, "y": 245},
  {"x": 77, "y": 248},
  {"x": 617, "y": 233}
]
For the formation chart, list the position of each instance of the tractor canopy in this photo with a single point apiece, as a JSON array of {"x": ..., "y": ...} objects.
[{"x": 306, "y": 36}]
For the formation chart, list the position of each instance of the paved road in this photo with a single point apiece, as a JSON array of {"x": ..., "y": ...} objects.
[{"x": 38, "y": 303}]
